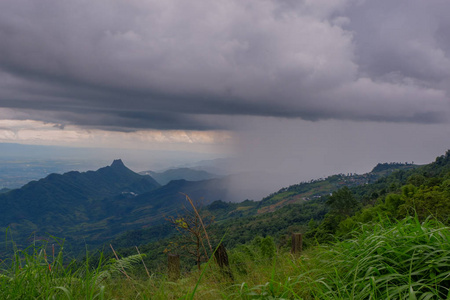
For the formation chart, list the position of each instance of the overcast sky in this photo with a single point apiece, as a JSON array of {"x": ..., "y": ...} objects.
[{"x": 289, "y": 84}]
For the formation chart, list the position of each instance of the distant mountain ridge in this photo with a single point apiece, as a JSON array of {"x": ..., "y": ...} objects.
[
  {"x": 188, "y": 174},
  {"x": 58, "y": 202},
  {"x": 96, "y": 206},
  {"x": 392, "y": 166}
]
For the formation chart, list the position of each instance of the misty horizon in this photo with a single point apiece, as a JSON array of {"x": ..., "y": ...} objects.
[{"x": 243, "y": 183}]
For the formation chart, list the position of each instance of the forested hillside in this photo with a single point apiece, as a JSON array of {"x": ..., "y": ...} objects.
[{"x": 423, "y": 192}]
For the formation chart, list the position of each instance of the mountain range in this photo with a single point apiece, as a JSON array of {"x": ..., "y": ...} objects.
[{"x": 95, "y": 206}]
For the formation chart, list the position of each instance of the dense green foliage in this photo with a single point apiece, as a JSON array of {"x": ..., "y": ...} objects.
[{"x": 232, "y": 231}]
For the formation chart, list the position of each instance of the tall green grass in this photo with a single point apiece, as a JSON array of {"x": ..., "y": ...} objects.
[
  {"x": 42, "y": 273},
  {"x": 386, "y": 260}
]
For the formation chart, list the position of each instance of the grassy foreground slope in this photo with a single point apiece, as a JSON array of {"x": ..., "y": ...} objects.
[{"x": 386, "y": 260}]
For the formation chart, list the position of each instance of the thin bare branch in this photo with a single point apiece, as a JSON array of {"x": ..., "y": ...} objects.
[
  {"x": 117, "y": 257},
  {"x": 201, "y": 221},
  {"x": 146, "y": 270}
]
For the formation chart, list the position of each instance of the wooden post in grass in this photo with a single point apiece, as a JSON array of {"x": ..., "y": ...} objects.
[
  {"x": 173, "y": 266},
  {"x": 297, "y": 243},
  {"x": 221, "y": 257}
]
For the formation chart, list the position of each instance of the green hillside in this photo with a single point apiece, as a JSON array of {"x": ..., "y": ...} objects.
[{"x": 313, "y": 189}]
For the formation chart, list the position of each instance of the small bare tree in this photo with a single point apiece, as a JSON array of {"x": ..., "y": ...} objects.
[{"x": 193, "y": 225}]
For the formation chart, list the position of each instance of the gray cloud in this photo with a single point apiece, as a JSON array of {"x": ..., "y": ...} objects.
[
  {"x": 407, "y": 38},
  {"x": 127, "y": 65}
]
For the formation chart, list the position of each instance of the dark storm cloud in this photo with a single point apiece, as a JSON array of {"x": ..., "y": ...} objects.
[
  {"x": 410, "y": 38},
  {"x": 126, "y": 65}
]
